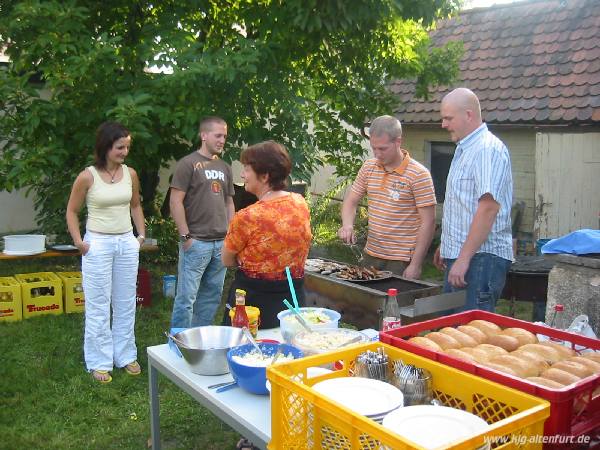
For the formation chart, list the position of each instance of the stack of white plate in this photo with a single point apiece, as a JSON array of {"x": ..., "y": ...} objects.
[
  {"x": 372, "y": 398},
  {"x": 434, "y": 426}
]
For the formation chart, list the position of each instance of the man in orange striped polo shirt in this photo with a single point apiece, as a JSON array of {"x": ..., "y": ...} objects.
[{"x": 401, "y": 204}]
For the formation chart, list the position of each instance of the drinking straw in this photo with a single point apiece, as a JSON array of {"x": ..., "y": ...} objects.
[{"x": 292, "y": 290}]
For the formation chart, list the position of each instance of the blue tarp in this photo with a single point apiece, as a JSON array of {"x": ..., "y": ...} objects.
[{"x": 581, "y": 242}]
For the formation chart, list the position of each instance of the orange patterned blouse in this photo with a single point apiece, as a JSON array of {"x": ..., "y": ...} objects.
[{"x": 270, "y": 235}]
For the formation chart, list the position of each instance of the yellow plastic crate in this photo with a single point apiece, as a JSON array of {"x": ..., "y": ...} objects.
[
  {"x": 41, "y": 293},
  {"x": 301, "y": 418},
  {"x": 73, "y": 292},
  {"x": 11, "y": 306}
]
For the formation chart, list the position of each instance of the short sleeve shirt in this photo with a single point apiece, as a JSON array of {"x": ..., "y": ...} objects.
[
  {"x": 207, "y": 183},
  {"x": 270, "y": 235},
  {"x": 481, "y": 165},
  {"x": 393, "y": 201}
]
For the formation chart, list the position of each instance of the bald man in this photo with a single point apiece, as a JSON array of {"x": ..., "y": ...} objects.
[{"x": 476, "y": 247}]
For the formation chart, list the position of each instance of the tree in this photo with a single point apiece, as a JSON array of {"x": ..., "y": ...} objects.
[{"x": 271, "y": 68}]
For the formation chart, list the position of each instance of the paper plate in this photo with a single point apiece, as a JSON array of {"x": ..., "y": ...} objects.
[
  {"x": 417, "y": 422},
  {"x": 64, "y": 247},
  {"x": 362, "y": 395}
]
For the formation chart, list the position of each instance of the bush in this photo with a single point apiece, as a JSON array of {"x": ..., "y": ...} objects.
[{"x": 165, "y": 232}]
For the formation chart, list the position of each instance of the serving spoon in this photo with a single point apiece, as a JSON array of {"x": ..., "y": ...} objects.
[
  {"x": 176, "y": 340},
  {"x": 250, "y": 338}
]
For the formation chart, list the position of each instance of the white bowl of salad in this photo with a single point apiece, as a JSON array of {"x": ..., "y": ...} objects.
[{"x": 317, "y": 319}]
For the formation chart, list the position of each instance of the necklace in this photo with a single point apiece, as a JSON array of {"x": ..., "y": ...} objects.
[
  {"x": 112, "y": 175},
  {"x": 265, "y": 194}
]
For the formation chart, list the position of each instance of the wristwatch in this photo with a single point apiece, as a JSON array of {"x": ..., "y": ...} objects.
[{"x": 184, "y": 237}]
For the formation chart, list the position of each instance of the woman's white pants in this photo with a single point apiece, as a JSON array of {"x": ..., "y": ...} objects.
[{"x": 109, "y": 272}]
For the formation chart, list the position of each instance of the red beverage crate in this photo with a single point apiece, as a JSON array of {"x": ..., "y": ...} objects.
[
  {"x": 144, "y": 288},
  {"x": 574, "y": 409}
]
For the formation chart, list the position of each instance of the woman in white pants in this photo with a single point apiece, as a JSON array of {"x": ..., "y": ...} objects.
[{"x": 110, "y": 252}]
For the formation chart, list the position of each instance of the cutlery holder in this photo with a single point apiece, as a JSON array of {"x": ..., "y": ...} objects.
[
  {"x": 375, "y": 371},
  {"x": 414, "y": 382}
]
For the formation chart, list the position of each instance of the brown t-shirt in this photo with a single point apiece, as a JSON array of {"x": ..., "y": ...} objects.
[{"x": 206, "y": 183}]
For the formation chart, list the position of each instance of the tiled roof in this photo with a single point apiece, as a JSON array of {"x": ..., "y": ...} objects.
[{"x": 531, "y": 62}]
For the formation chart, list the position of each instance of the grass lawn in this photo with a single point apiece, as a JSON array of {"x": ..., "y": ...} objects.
[{"x": 49, "y": 401}]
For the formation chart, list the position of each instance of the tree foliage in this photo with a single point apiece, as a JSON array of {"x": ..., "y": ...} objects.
[{"x": 303, "y": 72}]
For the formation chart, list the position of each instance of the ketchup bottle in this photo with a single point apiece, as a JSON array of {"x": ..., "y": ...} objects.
[{"x": 240, "y": 318}]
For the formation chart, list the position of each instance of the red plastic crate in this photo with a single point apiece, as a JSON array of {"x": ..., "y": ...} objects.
[
  {"x": 144, "y": 288},
  {"x": 564, "y": 418}
]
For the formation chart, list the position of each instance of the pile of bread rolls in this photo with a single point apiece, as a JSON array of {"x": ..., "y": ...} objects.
[{"x": 514, "y": 351}]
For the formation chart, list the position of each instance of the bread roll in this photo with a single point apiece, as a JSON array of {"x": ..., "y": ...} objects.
[
  {"x": 459, "y": 354},
  {"x": 545, "y": 382},
  {"x": 522, "y": 335},
  {"x": 463, "y": 339},
  {"x": 590, "y": 364},
  {"x": 489, "y": 328},
  {"x": 425, "y": 343},
  {"x": 549, "y": 354},
  {"x": 443, "y": 340},
  {"x": 508, "y": 343},
  {"x": 565, "y": 352},
  {"x": 478, "y": 354},
  {"x": 519, "y": 366},
  {"x": 479, "y": 336},
  {"x": 560, "y": 376},
  {"x": 574, "y": 368},
  {"x": 492, "y": 350},
  {"x": 500, "y": 368},
  {"x": 594, "y": 356},
  {"x": 530, "y": 354},
  {"x": 535, "y": 361}
]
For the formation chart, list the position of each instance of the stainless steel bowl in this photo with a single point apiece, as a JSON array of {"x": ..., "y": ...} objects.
[{"x": 205, "y": 348}]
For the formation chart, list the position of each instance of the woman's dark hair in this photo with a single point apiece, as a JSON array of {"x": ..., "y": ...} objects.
[
  {"x": 106, "y": 135},
  {"x": 269, "y": 158}
]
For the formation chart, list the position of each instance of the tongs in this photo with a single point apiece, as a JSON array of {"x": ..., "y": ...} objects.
[
  {"x": 298, "y": 316},
  {"x": 356, "y": 252}
]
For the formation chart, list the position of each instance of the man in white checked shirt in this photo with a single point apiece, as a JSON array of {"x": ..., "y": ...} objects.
[{"x": 476, "y": 247}]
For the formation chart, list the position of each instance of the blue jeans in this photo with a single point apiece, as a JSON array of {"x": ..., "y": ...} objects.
[
  {"x": 200, "y": 276},
  {"x": 485, "y": 280}
]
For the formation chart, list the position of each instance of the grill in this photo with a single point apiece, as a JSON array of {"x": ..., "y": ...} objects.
[
  {"x": 361, "y": 302},
  {"x": 527, "y": 280}
]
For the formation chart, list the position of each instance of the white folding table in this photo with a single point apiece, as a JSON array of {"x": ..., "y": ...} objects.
[{"x": 248, "y": 414}]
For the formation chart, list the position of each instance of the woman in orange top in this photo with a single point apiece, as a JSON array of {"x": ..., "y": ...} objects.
[{"x": 269, "y": 235}]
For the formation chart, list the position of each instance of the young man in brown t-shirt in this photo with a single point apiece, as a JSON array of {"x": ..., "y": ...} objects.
[{"x": 202, "y": 205}]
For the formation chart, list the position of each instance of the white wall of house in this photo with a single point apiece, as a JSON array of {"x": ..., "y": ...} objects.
[
  {"x": 567, "y": 183},
  {"x": 17, "y": 213},
  {"x": 521, "y": 145}
]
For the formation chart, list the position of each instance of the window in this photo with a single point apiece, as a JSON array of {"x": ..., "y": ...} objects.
[{"x": 441, "y": 157}]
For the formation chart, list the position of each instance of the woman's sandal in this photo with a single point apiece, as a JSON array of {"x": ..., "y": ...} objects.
[
  {"x": 133, "y": 368},
  {"x": 101, "y": 376},
  {"x": 245, "y": 444}
]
